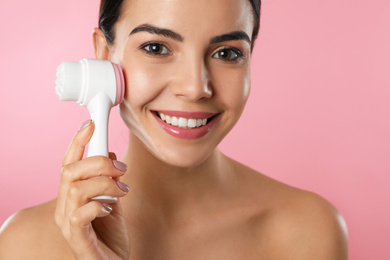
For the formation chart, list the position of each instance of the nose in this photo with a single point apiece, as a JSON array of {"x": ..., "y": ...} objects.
[{"x": 192, "y": 80}]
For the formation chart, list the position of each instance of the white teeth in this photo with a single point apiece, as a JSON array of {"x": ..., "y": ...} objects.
[
  {"x": 174, "y": 121},
  {"x": 183, "y": 122},
  {"x": 168, "y": 119},
  {"x": 191, "y": 123}
]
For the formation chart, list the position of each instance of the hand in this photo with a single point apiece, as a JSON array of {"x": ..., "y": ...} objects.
[{"x": 93, "y": 230}]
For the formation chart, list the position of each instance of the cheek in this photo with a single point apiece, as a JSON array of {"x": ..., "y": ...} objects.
[
  {"x": 146, "y": 81},
  {"x": 232, "y": 88},
  {"x": 143, "y": 83}
]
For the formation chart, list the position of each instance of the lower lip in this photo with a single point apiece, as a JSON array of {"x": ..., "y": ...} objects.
[{"x": 192, "y": 133}]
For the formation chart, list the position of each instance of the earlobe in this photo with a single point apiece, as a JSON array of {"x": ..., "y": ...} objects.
[{"x": 100, "y": 45}]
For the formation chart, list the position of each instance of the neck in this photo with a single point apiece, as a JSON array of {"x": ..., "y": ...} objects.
[{"x": 169, "y": 190}]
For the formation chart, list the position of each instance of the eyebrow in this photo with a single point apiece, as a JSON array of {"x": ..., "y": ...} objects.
[
  {"x": 157, "y": 30},
  {"x": 232, "y": 36}
]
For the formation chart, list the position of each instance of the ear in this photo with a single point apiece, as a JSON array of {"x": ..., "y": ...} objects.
[{"x": 100, "y": 45}]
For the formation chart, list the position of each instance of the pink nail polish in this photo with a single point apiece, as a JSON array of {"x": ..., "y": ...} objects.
[
  {"x": 123, "y": 186},
  {"x": 85, "y": 124},
  {"x": 120, "y": 165},
  {"x": 107, "y": 207}
]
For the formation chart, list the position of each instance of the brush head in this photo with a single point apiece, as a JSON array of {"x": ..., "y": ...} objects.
[
  {"x": 69, "y": 81},
  {"x": 82, "y": 81}
]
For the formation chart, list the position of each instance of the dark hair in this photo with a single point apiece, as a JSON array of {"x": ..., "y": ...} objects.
[{"x": 110, "y": 10}]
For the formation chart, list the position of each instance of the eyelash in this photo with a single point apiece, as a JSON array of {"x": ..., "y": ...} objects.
[
  {"x": 151, "y": 53},
  {"x": 236, "y": 52},
  {"x": 233, "y": 51}
]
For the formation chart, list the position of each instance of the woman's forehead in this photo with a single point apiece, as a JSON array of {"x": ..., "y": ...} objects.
[{"x": 219, "y": 16}]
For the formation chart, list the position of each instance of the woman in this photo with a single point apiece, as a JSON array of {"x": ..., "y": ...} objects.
[{"x": 187, "y": 70}]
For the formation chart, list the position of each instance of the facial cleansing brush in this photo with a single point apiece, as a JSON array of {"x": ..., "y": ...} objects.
[{"x": 98, "y": 85}]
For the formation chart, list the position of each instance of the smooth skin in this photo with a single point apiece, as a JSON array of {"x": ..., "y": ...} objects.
[{"x": 196, "y": 203}]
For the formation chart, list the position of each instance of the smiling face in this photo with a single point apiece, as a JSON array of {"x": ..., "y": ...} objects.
[{"x": 186, "y": 62}]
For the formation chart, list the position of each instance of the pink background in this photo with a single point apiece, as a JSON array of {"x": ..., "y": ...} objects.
[{"x": 318, "y": 116}]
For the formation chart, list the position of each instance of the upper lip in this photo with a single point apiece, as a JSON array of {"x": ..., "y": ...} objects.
[{"x": 186, "y": 114}]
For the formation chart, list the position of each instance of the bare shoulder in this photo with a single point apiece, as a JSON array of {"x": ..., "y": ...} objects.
[
  {"x": 311, "y": 228},
  {"x": 293, "y": 223},
  {"x": 32, "y": 234}
]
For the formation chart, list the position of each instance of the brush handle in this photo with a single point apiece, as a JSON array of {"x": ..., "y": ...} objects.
[{"x": 99, "y": 108}]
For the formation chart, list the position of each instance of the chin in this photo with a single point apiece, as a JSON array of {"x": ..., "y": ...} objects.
[{"x": 186, "y": 156}]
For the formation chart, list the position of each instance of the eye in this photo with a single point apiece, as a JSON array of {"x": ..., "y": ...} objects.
[
  {"x": 155, "y": 48},
  {"x": 228, "y": 54}
]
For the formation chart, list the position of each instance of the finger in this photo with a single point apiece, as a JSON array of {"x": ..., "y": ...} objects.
[
  {"x": 82, "y": 170},
  {"x": 81, "y": 233},
  {"x": 94, "y": 166},
  {"x": 81, "y": 192},
  {"x": 74, "y": 153},
  {"x": 80, "y": 140}
]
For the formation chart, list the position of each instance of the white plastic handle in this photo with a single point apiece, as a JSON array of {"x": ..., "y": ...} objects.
[{"x": 99, "y": 108}]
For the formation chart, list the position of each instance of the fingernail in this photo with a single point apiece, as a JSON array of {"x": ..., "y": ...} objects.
[
  {"x": 120, "y": 165},
  {"x": 107, "y": 207},
  {"x": 123, "y": 186},
  {"x": 85, "y": 124}
]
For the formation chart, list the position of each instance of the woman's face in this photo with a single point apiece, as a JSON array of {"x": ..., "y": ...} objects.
[{"x": 186, "y": 61}]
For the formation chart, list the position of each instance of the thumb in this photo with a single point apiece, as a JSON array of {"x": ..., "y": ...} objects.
[{"x": 80, "y": 140}]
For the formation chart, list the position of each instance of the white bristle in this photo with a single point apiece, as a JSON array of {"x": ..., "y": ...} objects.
[
  {"x": 69, "y": 81},
  {"x": 60, "y": 70},
  {"x": 58, "y": 91}
]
